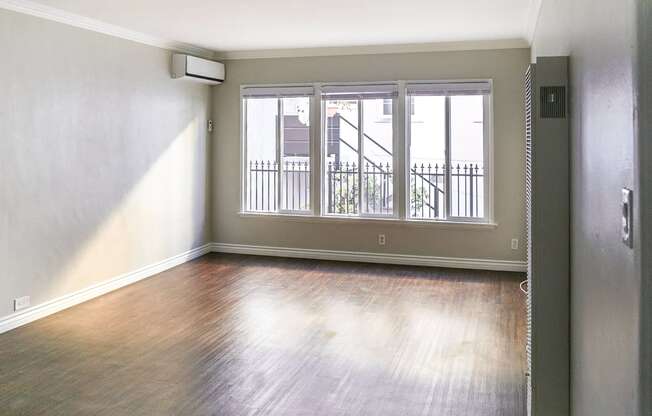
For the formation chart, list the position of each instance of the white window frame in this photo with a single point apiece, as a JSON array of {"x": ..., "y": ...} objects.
[
  {"x": 488, "y": 176},
  {"x": 395, "y": 215},
  {"x": 401, "y": 122},
  {"x": 409, "y": 103},
  {"x": 384, "y": 102},
  {"x": 276, "y": 91}
]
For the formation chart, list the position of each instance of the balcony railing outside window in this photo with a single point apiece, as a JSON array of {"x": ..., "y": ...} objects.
[
  {"x": 427, "y": 188},
  {"x": 343, "y": 188},
  {"x": 263, "y": 176}
]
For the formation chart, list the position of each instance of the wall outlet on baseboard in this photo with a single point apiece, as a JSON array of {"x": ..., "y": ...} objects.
[
  {"x": 514, "y": 243},
  {"x": 381, "y": 239},
  {"x": 21, "y": 303}
]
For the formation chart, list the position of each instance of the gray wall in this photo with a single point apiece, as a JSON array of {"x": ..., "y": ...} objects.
[
  {"x": 103, "y": 159},
  {"x": 506, "y": 67},
  {"x": 605, "y": 277},
  {"x": 643, "y": 75}
]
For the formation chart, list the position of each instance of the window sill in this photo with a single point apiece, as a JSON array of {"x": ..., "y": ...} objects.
[{"x": 458, "y": 225}]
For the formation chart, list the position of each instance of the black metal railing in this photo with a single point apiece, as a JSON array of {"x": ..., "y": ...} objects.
[
  {"x": 427, "y": 195},
  {"x": 467, "y": 183},
  {"x": 343, "y": 179},
  {"x": 365, "y": 135},
  {"x": 263, "y": 182},
  {"x": 343, "y": 187}
]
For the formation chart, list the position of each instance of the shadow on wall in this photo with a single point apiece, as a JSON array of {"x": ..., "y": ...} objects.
[
  {"x": 93, "y": 220},
  {"x": 158, "y": 210},
  {"x": 104, "y": 161}
]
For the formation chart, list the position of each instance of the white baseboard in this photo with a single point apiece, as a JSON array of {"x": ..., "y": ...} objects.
[
  {"x": 365, "y": 257},
  {"x": 53, "y": 306}
]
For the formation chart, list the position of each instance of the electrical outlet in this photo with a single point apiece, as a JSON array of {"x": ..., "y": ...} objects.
[
  {"x": 210, "y": 126},
  {"x": 381, "y": 239},
  {"x": 21, "y": 303},
  {"x": 514, "y": 243}
]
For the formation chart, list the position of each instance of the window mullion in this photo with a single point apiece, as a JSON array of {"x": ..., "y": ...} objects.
[
  {"x": 279, "y": 153},
  {"x": 447, "y": 153},
  {"x": 245, "y": 202},
  {"x": 323, "y": 147},
  {"x": 316, "y": 156},
  {"x": 400, "y": 120},
  {"x": 488, "y": 161},
  {"x": 360, "y": 154}
]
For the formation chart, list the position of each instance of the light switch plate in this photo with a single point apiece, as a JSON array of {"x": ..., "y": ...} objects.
[{"x": 627, "y": 217}]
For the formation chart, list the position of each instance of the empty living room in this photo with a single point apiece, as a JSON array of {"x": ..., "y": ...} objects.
[{"x": 224, "y": 208}]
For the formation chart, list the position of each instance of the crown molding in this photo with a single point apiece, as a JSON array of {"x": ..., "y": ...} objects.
[
  {"x": 533, "y": 20},
  {"x": 50, "y": 13},
  {"x": 375, "y": 49}
]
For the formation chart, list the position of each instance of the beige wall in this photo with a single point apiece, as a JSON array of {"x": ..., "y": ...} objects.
[
  {"x": 103, "y": 159},
  {"x": 505, "y": 67}
]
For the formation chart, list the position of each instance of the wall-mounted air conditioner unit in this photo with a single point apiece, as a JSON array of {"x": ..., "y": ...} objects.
[{"x": 197, "y": 69}]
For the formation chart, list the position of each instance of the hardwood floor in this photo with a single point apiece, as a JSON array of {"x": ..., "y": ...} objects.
[{"x": 240, "y": 335}]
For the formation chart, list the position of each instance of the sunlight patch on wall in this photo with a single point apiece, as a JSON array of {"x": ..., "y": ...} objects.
[{"x": 132, "y": 236}]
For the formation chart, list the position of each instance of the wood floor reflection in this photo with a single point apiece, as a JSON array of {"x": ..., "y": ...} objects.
[{"x": 240, "y": 335}]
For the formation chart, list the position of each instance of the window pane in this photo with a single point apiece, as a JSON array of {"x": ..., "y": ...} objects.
[
  {"x": 387, "y": 106},
  {"x": 341, "y": 167},
  {"x": 295, "y": 183},
  {"x": 467, "y": 156},
  {"x": 377, "y": 162},
  {"x": 428, "y": 157},
  {"x": 262, "y": 163}
]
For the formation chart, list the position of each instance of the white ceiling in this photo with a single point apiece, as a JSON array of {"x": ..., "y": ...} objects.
[{"x": 238, "y": 25}]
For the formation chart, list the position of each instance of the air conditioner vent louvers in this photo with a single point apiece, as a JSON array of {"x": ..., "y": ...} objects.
[{"x": 553, "y": 102}]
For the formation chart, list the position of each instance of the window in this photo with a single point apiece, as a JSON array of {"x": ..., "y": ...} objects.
[
  {"x": 388, "y": 103},
  {"x": 387, "y": 106},
  {"x": 277, "y": 143},
  {"x": 359, "y": 156},
  {"x": 447, "y": 151},
  {"x": 444, "y": 141}
]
